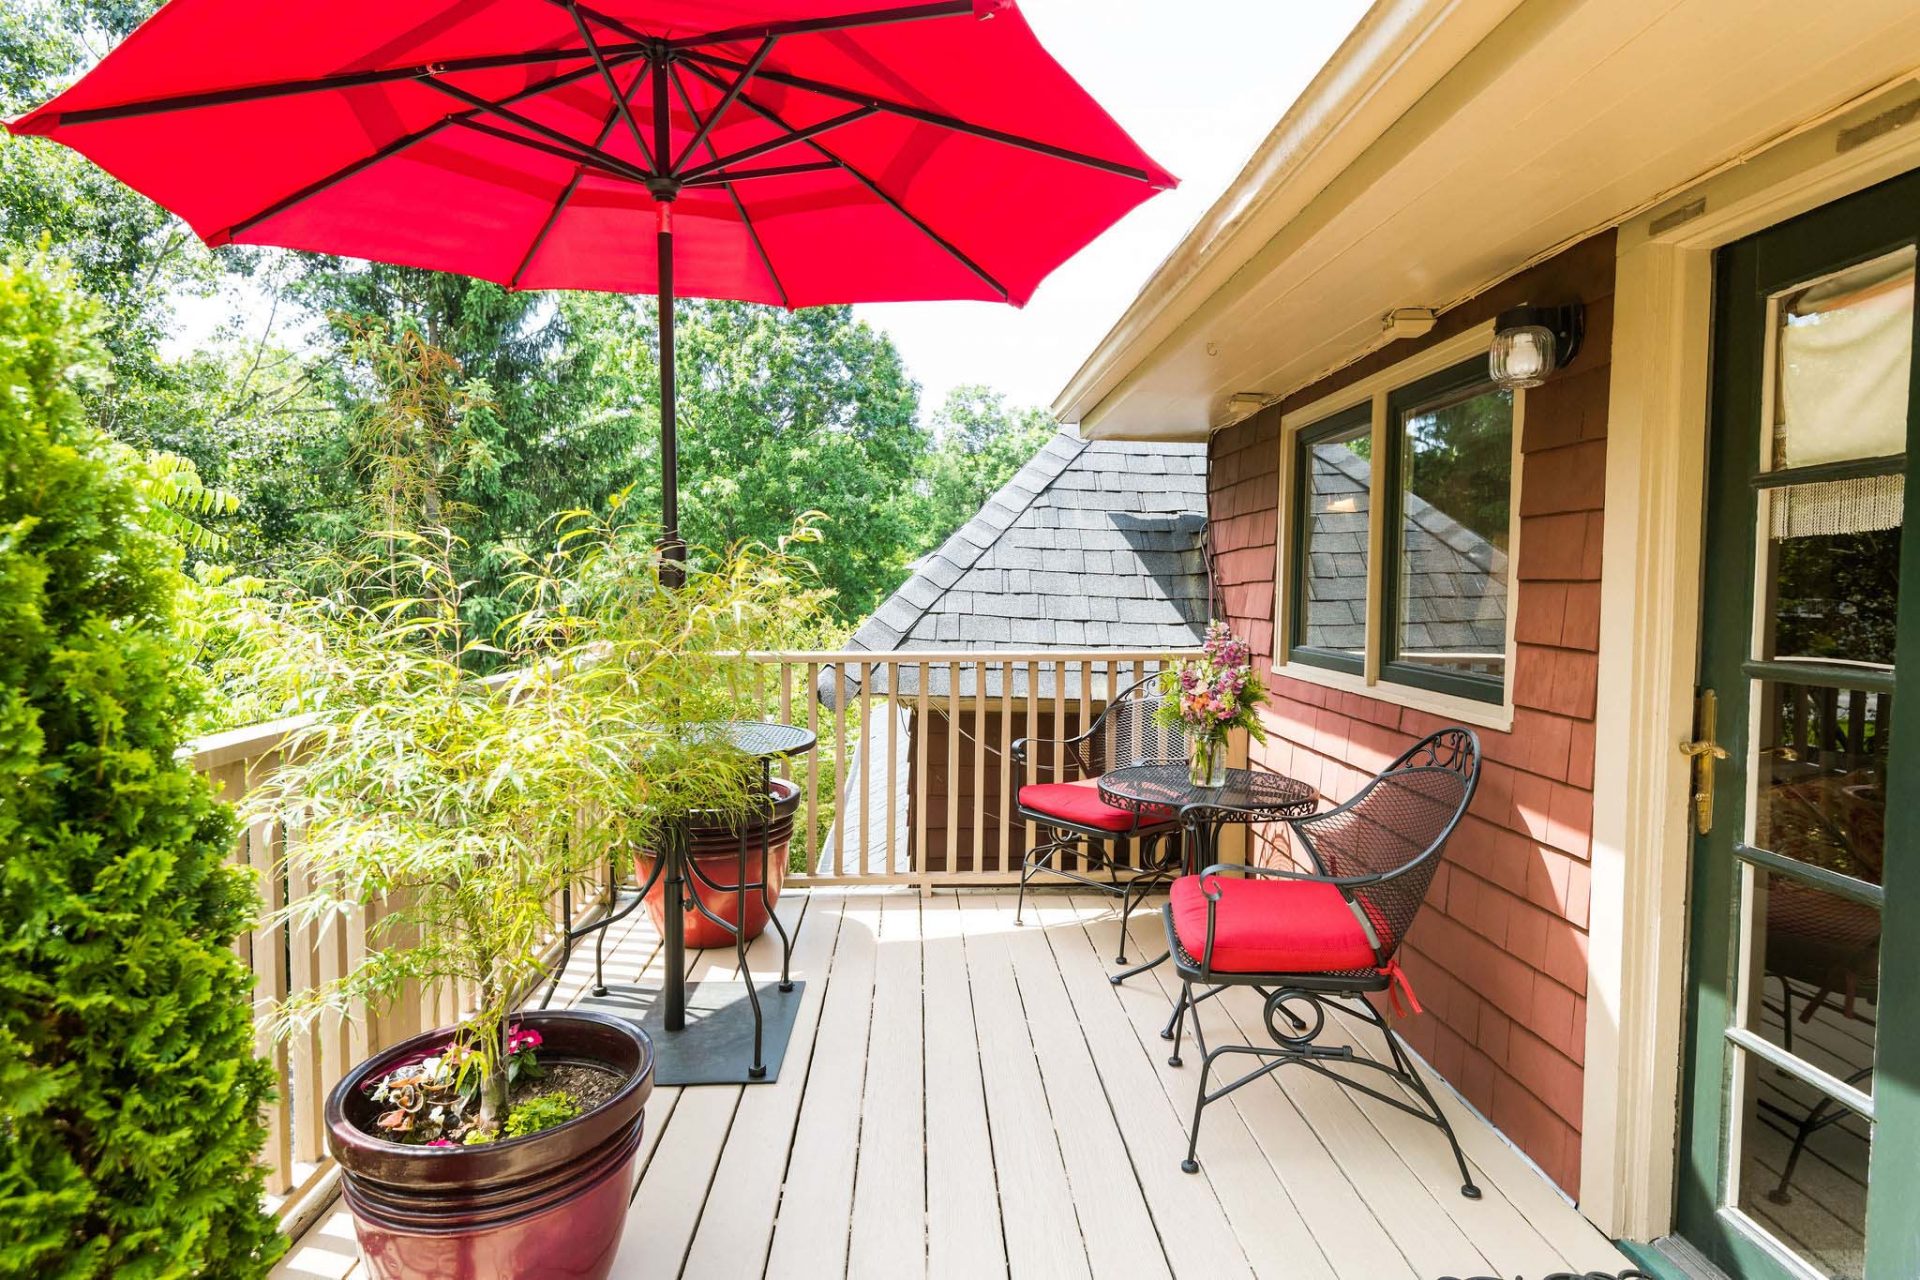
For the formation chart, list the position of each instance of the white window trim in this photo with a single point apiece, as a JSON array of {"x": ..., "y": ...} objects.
[{"x": 1376, "y": 388}]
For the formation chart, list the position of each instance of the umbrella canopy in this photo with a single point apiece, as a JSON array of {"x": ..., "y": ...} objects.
[{"x": 793, "y": 152}]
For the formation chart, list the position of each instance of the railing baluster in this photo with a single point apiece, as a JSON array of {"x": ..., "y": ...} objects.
[
  {"x": 1005, "y": 852},
  {"x": 866, "y": 764},
  {"x": 812, "y": 695},
  {"x": 893, "y": 757},
  {"x": 840, "y": 769},
  {"x": 1029, "y": 772},
  {"x": 922, "y": 730},
  {"x": 1061, "y": 731},
  {"x": 979, "y": 722},
  {"x": 951, "y": 842},
  {"x": 269, "y": 960}
]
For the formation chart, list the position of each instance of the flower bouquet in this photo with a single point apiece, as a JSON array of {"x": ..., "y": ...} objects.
[{"x": 1208, "y": 697}]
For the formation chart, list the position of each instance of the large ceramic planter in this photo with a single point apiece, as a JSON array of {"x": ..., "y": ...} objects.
[
  {"x": 715, "y": 850},
  {"x": 549, "y": 1205}
]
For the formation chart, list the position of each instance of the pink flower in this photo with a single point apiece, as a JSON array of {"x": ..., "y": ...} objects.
[{"x": 442, "y": 1142}]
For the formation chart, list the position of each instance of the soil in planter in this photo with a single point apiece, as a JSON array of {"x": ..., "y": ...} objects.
[{"x": 590, "y": 1086}]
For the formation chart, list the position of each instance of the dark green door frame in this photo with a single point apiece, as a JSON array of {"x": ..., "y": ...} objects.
[{"x": 1747, "y": 275}]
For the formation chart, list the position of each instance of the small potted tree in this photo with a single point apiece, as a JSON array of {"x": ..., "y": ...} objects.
[{"x": 454, "y": 810}]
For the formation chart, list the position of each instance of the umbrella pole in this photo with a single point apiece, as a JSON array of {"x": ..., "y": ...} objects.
[{"x": 674, "y": 551}]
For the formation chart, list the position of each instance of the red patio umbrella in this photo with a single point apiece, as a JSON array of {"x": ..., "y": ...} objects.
[{"x": 794, "y": 152}]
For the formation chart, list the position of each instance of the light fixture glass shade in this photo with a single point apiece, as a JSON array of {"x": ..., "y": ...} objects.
[{"x": 1522, "y": 356}]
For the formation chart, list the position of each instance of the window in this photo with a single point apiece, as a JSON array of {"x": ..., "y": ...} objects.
[
  {"x": 1399, "y": 535},
  {"x": 1445, "y": 615},
  {"x": 1334, "y": 508}
]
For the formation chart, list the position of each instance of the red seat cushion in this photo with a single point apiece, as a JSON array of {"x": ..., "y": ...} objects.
[
  {"x": 1271, "y": 926},
  {"x": 1080, "y": 804}
]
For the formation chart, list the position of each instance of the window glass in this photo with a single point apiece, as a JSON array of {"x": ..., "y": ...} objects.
[
  {"x": 1336, "y": 484},
  {"x": 1453, "y": 498}
]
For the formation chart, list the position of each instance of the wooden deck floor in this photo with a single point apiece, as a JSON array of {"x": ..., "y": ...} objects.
[{"x": 965, "y": 1098}]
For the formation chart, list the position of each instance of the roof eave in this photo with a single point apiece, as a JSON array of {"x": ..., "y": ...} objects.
[{"x": 1397, "y": 52}]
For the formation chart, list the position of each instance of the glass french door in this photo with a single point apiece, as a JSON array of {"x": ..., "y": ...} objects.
[{"x": 1801, "y": 1135}]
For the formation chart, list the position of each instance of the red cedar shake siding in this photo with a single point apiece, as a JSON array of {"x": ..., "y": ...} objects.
[{"x": 1499, "y": 956}]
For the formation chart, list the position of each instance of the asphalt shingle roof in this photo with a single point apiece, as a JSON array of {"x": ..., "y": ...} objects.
[{"x": 1091, "y": 545}]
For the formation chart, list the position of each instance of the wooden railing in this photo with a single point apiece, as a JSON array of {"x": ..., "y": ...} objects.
[
  {"x": 913, "y": 782},
  {"x": 914, "y": 779}
]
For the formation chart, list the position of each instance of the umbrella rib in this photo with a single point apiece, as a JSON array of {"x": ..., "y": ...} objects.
[
  {"x": 924, "y": 116},
  {"x": 581, "y": 151},
  {"x": 534, "y": 144},
  {"x": 323, "y": 84},
  {"x": 721, "y": 178},
  {"x": 620, "y": 105},
  {"x": 726, "y": 100},
  {"x": 614, "y": 24},
  {"x": 844, "y": 22},
  {"x": 393, "y": 148},
  {"x": 573, "y": 184},
  {"x": 952, "y": 249},
  {"x": 775, "y": 144},
  {"x": 739, "y": 205}
]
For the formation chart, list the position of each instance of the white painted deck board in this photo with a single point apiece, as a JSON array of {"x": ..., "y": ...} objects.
[
  {"x": 963, "y": 1208},
  {"x": 963, "y": 1098}
]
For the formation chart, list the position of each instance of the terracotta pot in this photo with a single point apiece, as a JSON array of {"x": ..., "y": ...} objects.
[
  {"x": 549, "y": 1205},
  {"x": 715, "y": 848}
]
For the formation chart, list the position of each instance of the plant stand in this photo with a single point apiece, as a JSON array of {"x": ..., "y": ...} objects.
[{"x": 717, "y": 1032}]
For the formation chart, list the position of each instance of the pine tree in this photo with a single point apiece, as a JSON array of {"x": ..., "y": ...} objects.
[{"x": 129, "y": 1093}]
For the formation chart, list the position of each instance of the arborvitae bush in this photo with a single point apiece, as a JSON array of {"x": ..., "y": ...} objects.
[{"x": 129, "y": 1092}]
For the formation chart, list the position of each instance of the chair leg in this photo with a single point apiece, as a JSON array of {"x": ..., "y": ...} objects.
[
  {"x": 1192, "y": 1163},
  {"x": 1409, "y": 1075},
  {"x": 1035, "y": 859},
  {"x": 1177, "y": 1023}
]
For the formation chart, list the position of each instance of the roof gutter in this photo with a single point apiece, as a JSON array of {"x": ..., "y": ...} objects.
[{"x": 1399, "y": 50}]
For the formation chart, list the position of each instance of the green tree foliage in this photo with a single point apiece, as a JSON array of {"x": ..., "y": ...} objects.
[
  {"x": 126, "y": 251},
  {"x": 780, "y": 413},
  {"x": 979, "y": 442},
  {"x": 129, "y": 1093}
]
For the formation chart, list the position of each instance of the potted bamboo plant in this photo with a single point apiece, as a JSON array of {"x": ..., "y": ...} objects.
[{"x": 453, "y": 810}]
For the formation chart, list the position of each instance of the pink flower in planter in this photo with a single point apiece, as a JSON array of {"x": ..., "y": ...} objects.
[{"x": 443, "y": 1142}]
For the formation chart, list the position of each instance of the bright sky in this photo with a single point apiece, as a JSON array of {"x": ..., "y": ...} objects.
[{"x": 1199, "y": 85}]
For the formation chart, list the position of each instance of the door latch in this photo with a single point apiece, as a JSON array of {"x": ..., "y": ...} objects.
[{"x": 1703, "y": 751}]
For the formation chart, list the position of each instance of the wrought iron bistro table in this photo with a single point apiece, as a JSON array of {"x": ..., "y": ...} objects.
[
  {"x": 1249, "y": 796},
  {"x": 700, "y": 1033}
]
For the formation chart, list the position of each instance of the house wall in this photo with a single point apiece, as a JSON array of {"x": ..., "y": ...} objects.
[{"x": 1499, "y": 955}]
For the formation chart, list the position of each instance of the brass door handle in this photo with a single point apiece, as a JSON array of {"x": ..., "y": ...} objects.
[{"x": 1703, "y": 751}]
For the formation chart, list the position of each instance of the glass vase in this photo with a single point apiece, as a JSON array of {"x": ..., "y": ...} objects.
[{"x": 1209, "y": 765}]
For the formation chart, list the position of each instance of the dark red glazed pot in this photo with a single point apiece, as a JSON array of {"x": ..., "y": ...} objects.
[
  {"x": 549, "y": 1205},
  {"x": 716, "y": 852}
]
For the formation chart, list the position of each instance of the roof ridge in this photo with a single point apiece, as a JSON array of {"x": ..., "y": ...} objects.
[{"x": 1029, "y": 471}]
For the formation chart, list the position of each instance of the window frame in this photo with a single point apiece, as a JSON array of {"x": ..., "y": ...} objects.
[
  {"x": 1340, "y": 423},
  {"x": 1369, "y": 395},
  {"x": 1448, "y": 385}
]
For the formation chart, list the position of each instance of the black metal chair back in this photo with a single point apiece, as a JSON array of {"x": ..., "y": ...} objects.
[
  {"x": 1397, "y": 828},
  {"x": 1128, "y": 732}
]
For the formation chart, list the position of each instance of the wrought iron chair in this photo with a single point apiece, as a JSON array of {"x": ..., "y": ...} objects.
[
  {"x": 1072, "y": 816},
  {"x": 1320, "y": 941}
]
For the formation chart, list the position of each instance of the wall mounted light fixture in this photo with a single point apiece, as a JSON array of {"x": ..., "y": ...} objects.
[{"x": 1529, "y": 343}]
